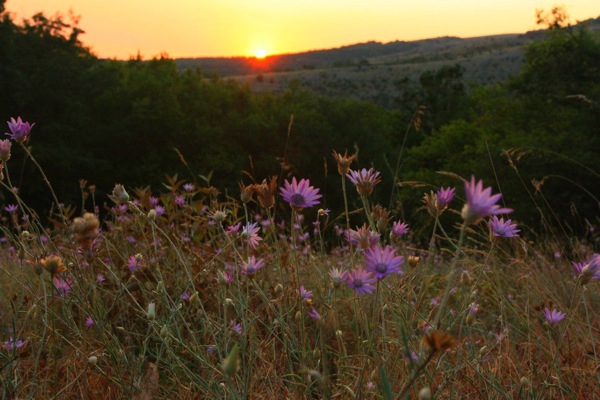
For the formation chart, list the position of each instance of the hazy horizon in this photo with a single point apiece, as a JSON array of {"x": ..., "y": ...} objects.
[{"x": 232, "y": 28}]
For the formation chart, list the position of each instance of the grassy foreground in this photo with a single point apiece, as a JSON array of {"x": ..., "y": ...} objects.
[{"x": 194, "y": 294}]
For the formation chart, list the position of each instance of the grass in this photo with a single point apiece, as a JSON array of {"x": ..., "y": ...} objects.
[{"x": 156, "y": 301}]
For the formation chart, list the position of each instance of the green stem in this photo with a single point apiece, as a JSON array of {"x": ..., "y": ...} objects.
[{"x": 451, "y": 276}]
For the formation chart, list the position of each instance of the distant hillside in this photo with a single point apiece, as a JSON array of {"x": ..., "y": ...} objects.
[{"x": 372, "y": 70}]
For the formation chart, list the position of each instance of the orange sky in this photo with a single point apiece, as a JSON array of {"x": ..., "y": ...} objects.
[{"x": 205, "y": 28}]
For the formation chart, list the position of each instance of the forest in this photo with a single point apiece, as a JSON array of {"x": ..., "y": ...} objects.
[{"x": 140, "y": 121}]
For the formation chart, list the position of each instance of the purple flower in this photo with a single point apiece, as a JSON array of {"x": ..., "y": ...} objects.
[
  {"x": 19, "y": 129},
  {"x": 314, "y": 314},
  {"x": 383, "y": 262},
  {"x": 237, "y": 328},
  {"x": 62, "y": 285},
  {"x": 160, "y": 210},
  {"x": 502, "y": 228},
  {"x": 250, "y": 233},
  {"x": 480, "y": 202},
  {"x": 588, "y": 270},
  {"x": 305, "y": 294},
  {"x": 188, "y": 187},
  {"x": 364, "y": 180},
  {"x": 89, "y": 321},
  {"x": 399, "y": 228},
  {"x": 553, "y": 317},
  {"x": 338, "y": 276},
  {"x": 11, "y": 208},
  {"x": 100, "y": 278},
  {"x": 362, "y": 237},
  {"x": 5, "y": 146},
  {"x": 186, "y": 296},
  {"x": 250, "y": 267},
  {"x": 12, "y": 344},
  {"x": 444, "y": 196},
  {"x": 134, "y": 262},
  {"x": 180, "y": 201},
  {"x": 300, "y": 194},
  {"x": 361, "y": 281}
]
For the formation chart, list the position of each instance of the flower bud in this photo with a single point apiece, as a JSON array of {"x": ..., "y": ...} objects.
[
  {"x": 151, "y": 310},
  {"x": 120, "y": 195}
]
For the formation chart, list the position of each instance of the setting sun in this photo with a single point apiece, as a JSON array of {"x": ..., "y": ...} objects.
[{"x": 260, "y": 53}]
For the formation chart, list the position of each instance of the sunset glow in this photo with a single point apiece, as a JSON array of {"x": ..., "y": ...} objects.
[
  {"x": 188, "y": 28},
  {"x": 260, "y": 53}
]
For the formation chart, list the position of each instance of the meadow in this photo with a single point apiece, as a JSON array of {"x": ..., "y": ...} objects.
[{"x": 196, "y": 293}]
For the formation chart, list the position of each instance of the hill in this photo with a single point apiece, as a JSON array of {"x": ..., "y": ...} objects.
[{"x": 377, "y": 71}]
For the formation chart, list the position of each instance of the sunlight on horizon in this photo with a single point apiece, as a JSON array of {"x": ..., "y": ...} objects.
[{"x": 121, "y": 29}]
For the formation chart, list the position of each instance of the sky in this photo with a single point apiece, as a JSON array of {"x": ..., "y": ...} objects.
[{"x": 221, "y": 28}]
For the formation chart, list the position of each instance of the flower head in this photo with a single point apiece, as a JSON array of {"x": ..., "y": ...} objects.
[
  {"x": 553, "y": 316},
  {"x": 343, "y": 161},
  {"x": 19, "y": 130},
  {"x": 305, "y": 294},
  {"x": 588, "y": 270},
  {"x": 399, "y": 228},
  {"x": 361, "y": 281},
  {"x": 338, "y": 276},
  {"x": 250, "y": 233},
  {"x": 11, "y": 208},
  {"x": 5, "y": 146},
  {"x": 480, "y": 202},
  {"x": 383, "y": 262},
  {"x": 364, "y": 180},
  {"x": 250, "y": 267},
  {"x": 62, "y": 285},
  {"x": 89, "y": 321},
  {"x": 362, "y": 237},
  {"x": 300, "y": 194},
  {"x": 13, "y": 344},
  {"x": 444, "y": 197},
  {"x": 502, "y": 228}
]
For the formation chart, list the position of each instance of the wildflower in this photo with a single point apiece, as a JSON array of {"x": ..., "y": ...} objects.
[
  {"x": 383, "y": 262},
  {"x": 253, "y": 265},
  {"x": 89, "y": 321},
  {"x": 159, "y": 210},
  {"x": 362, "y": 237},
  {"x": 186, "y": 296},
  {"x": 12, "y": 344},
  {"x": 250, "y": 233},
  {"x": 502, "y": 228},
  {"x": 246, "y": 193},
  {"x": 53, "y": 264},
  {"x": 314, "y": 314},
  {"x": 381, "y": 216},
  {"x": 5, "y": 146},
  {"x": 299, "y": 194},
  {"x": 438, "y": 341},
  {"x": 237, "y": 328},
  {"x": 62, "y": 285},
  {"x": 338, "y": 276},
  {"x": 119, "y": 194},
  {"x": 100, "y": 278},
  {"x": 224, "y": 277},
  {"x": 361, "y": 281},
  {"x": 265, "y": 192},
  {"x": 364, "y": 180},
  {"x": 480, "y": 202},
  {"x": 553, "y": 316},
  {"x": 134, "y": 263},
  {"x": 343, "y": 162},
  {"x": 588, "y": 270},
  {"x": 444, "y": 197},
  {"x": 86, "y": 229},
  {"x": 180, "y": 200},
  {"x": 19, "y": 130},
  {"x": 188, "y": 187},
  {"x": 323, "y": 212},
  {"x": 399, "y": 228},
  {"x": 11, "y": 208},
  {"x": 305, "y": 294}
]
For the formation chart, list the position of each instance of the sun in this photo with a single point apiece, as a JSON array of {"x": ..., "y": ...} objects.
[{"x": 260, "y": 53}]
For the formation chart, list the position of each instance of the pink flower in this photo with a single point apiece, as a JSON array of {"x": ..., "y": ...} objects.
[
  {"x": 300, "y": 194},
  {"x": 480, "y": 202},
  {"x": 19, "y": 130}
]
